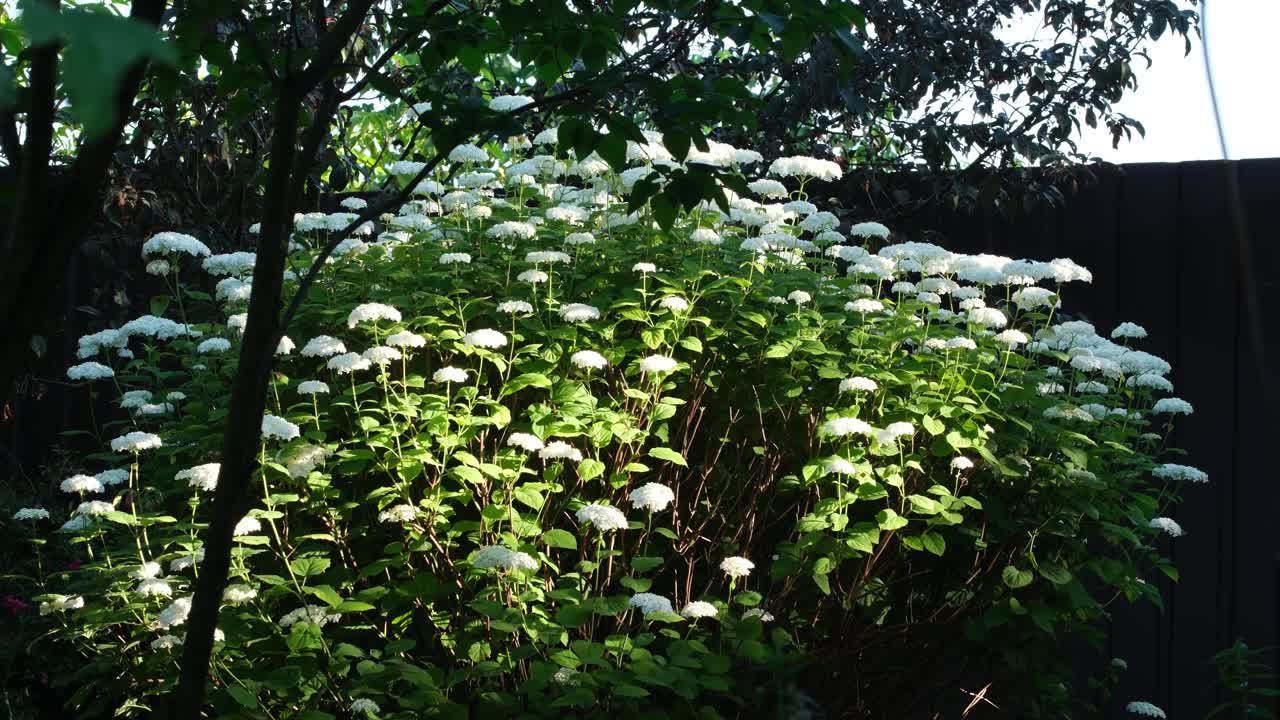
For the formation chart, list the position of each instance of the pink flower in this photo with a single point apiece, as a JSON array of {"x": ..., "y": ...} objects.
[{"x": 13, "y": 604}]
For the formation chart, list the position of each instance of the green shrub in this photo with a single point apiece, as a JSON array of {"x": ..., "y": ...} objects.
[{"x": 536, "y": 457}]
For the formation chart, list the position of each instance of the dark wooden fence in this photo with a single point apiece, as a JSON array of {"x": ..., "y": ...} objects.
[{"x": 1165, "y": 251}]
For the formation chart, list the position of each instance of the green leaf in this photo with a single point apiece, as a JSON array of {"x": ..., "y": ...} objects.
[
  {"x": 100, "y": 49},
  {"x": 469, "y": 474},
  {"x": 305, "y": 636},
  {"x": 664, "y": 211},
  {"x": 933, "y": 425},
  {"x": 890, "y": 520},
  {"x": 934, "y": 543},
  {"x": 308, "y": 566},
  {"x": 669, "y": 455},
  {"x": 246, "y": 699},
  {"x": 924, "y": 505},
  {"x": 645, "y": 564},
  {"x": 1054, "y": 573},
  {"x": 589, "y": 469},
  {"x": 1015, "y": 578},
  {"x": 529, "y": 496},
  {"x": 521, "y": 382},
  {"x": 327, "y": 594},
  {"x": 560, "y": 539}
]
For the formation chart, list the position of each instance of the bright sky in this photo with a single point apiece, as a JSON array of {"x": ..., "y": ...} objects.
[{"x": 1172, "y": 99}]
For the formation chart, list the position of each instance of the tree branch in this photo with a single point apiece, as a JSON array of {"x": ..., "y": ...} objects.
[
  {"x": 331, "y": 46},
  {"x": 244, "y": 417}
]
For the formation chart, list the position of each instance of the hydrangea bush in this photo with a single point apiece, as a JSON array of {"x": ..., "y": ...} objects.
[{"x": 529, "y": 454}]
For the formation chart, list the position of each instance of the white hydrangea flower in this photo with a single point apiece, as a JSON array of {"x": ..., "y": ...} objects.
[
  {"x": 239, "y": 593},
  {"x": 805, "y": 167},
  {"x": 565, "y": 676},
  {"x": 247, "y": 526},
  {"x": 602, "y": 517},
  {"x": 560, "y": 450},
  {"x": 845, "y": 426},
  {"x": 169, "y": 243},
  {"x": 1146, "y": 709},
  {"x": 398, "y": 514},
  {"x": 449, "y": 374},
  {"x": 312, "y": 387},
  {"x": 961, "y": 463},
  {"x": 166, "y": 642},
  {"x": 869, "y": 230},
  {"x": 60, "y": 603},
  {"x": 736, "y": 567},
  {"x": 279, "y": 428},
  {"x": 202, "y": 477},
  {"x": 406, "y": 339},
  {"x": 987, "y": 317},
  {"x": 706, "y": 236},
  {"x": 314, "y": 614},
  {"x": 323, "y": 346},
  {"x": 652, "y": 497},
  {"x": 381, "y": 355},
  {"x": 525, "y": 441},
  {"x": 839, "y": 466},
  {"x": 533, "y": 277},
  {"x": 81, "y": 484},
  {"x": 89, "y": 371},
  {"x": 348, "y": 363},
  {"x": 1011, "y": 338},
  {"x": 214, "y": 345},
  {"x": 114, "y": 476},
  {"x": 185, "y": 562},
  {"x": 153, "y": 587},
  {"x": 579, "y": 238},
  {"x": 699, "y": 609},
  {"x": 550, "y": 257},
  {"x": 650, "y": 603},
  {"x": 485, "y": 338},
  {"x": 514, "y": 230},
  {"x": 589, "y": 359},
  {"x": 799, "y": 297},
  {"x": 1174, "y": 471},
  {"x": 1129, "y": 330},
  {"x": 674, "y": 303},
  {"x": 858, "y": 384},
  {"x": 136, "y": 441},
  {"x": 468, "y": 153},
  {"x": 657, "y": 365},
  {"x": 230, "y": 264},
  {"x": 285, "y": 346},
  {"x": 1168, "y": 525},
  {"x": 579, "y": 312},
  {"x": 31, "y": 514},
  {"x": 864, "y": 306},
  {"x": 364, "y": 705},
  {"x": 371, "y": 312},
  {"x": 174, "y": 615},
  {"x": 1172, "y": 406},
  {"x": 515, "y": 307},
  {"x": 502, "y": 558},
  {"x": 1029, "y": 298},
  {"x": 303, "y": 459},
  {"x": 455, "y": 259}
]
